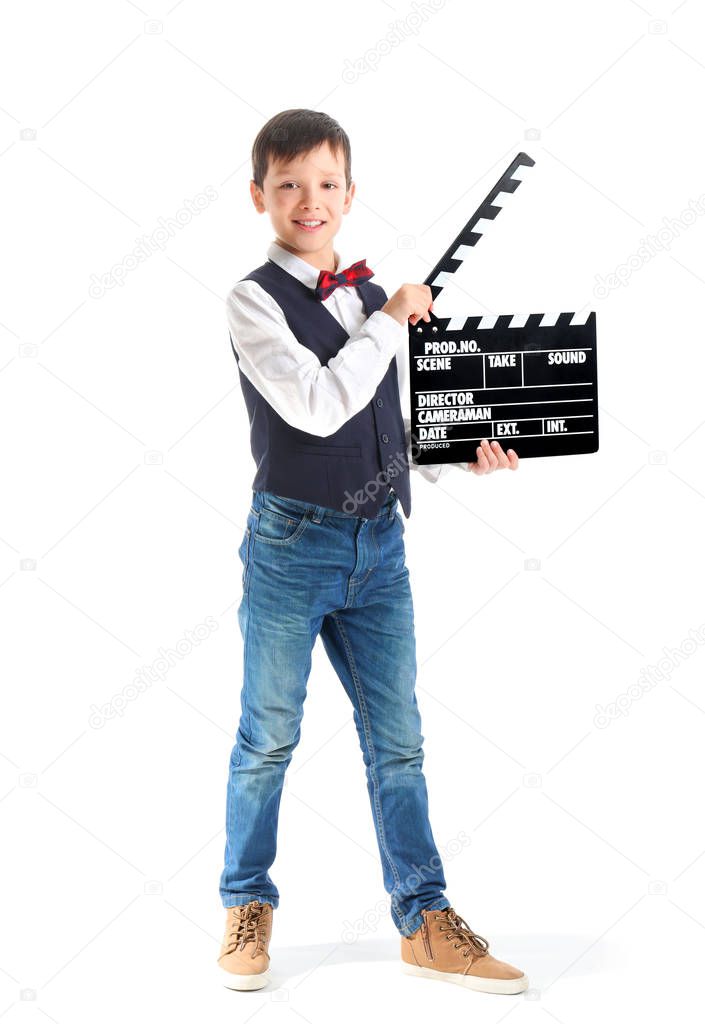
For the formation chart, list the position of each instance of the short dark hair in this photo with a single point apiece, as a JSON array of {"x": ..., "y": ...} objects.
[{"x": 293, "y": 132}]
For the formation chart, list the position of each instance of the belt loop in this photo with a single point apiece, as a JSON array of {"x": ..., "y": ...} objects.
[{"x": 318, "y": 513}]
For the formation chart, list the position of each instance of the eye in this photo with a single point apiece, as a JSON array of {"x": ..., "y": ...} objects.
[{"x": 286, "y": 184}]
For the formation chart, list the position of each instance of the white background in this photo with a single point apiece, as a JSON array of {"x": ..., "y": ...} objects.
[{"x": 584, "y": 865}]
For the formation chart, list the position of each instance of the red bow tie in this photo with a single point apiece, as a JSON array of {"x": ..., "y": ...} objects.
[{"x": 352, "y": 275}]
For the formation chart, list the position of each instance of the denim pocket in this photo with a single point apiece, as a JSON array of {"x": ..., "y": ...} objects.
[
  {"x": 244, "y": 555},
  {"x": 279, "y": 521}
]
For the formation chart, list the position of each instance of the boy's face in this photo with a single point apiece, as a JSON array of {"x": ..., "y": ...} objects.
[{"x": 309, "y": 188}]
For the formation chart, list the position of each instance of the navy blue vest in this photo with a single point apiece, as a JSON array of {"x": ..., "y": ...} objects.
[{"x": 352, "y": 469}]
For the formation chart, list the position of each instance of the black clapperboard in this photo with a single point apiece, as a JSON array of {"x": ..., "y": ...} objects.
[{"x": 526, "y": 382}]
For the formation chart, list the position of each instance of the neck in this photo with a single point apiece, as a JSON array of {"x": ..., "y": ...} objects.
[{"x": 323, "y": 259}]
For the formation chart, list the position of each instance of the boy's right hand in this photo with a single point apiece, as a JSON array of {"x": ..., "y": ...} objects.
[{"x": 410, "y": 303}]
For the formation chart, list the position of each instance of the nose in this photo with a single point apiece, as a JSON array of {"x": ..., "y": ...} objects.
[{"x": 308, "y": 202}]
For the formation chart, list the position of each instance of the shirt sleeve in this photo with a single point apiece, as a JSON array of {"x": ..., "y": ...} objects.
[
  {"x": 431, "y": 472},
  {"x": 311, "y": 397}
]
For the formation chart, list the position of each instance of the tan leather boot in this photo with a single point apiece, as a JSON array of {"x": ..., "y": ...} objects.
[
  {"x": 446, "y": 948},
  {"x": 244, "y": 952}
]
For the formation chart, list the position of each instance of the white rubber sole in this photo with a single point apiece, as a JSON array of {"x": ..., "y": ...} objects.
[
  {"x": 502, "y": 986},
  {"x": 242, "y": 982}
]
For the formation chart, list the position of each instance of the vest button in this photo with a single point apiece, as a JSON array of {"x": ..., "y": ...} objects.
[
  {"x": 380, "y": 403},
  {"x": 385, "y": 437}
]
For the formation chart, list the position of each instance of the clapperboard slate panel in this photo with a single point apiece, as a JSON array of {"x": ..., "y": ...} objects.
[
  {"x": 529, "y": 382},
  {"x": 532, "y": 388}
]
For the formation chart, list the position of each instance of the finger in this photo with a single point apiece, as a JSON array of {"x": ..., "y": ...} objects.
[
  {"x": 501, "y": 455},
  {"x": 513, "y": 459},
  {"x": 481, "y": 465},
  {"x": 491, "y": 457}
]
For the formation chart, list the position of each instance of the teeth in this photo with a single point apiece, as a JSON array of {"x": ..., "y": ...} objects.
[{"x": 310, "y": 223}]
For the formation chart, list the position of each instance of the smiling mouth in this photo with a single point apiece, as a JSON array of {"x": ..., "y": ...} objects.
[{"x": 311, "y": 225}]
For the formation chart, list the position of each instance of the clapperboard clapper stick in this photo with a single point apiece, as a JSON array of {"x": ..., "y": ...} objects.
[{"x": 530, "y": 382}]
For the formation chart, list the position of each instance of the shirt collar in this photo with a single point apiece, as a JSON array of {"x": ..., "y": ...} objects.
[{"x": 297, "y": 267}]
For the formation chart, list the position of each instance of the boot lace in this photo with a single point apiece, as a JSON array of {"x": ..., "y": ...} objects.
[
  {"x": 459, "y": 929},
  {"x": 247, "y": 927}
]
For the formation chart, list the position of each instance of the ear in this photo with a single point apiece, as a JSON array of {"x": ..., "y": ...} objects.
[
  {"x": 349, "y": 197},
  {"x": 257, "y": 196}
]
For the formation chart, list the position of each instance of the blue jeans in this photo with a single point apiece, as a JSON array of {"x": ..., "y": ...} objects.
[{"x": 307, "y": 570}]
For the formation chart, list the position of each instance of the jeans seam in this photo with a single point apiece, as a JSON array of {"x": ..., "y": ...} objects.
[
  {"x": 373, "y": 769},
  {"x": 442, "y": 902},
  {"x": 250, "y": 552},
  {"x": 358, "y": 583},
  {"x": 246, "y": 598},
  {"x": 247, "y": 897}
]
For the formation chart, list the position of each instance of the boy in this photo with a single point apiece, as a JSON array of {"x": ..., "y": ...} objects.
[{"x": 323, "y": 553}]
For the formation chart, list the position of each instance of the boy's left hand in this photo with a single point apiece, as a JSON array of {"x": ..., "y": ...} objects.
[{"x": 491, "y": 457}]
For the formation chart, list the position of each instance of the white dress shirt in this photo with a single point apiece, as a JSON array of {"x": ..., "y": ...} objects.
[{"x": 311, "y": 397}]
